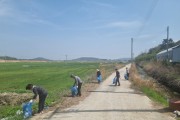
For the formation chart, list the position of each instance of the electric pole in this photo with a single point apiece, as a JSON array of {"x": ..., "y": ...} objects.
[
  {"x": 167, "y": 43},
  {"x": 131, "y": 49}
]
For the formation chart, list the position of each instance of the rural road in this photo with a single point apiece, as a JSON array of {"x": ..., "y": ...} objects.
[{"x": 109, "y": 102}]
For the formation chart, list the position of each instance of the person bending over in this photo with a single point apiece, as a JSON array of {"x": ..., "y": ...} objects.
[{"x": 42, "y": 95}]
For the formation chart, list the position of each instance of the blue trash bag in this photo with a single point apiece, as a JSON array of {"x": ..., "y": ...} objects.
[
  {"x": 74, "y": 91},
  {"x": 99, "y": 78},
  {"x": 126, "y": 76},
  {"x": 114, "y": 80},
  {"x": 27, "y": 109}
]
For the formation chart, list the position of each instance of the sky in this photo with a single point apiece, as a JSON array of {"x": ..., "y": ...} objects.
[{"x": 54, "y": 29}]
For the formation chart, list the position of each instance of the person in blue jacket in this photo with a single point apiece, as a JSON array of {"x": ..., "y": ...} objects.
[
  {"x": 98, "y": 75},
  {"x": 38, "y": 91}
]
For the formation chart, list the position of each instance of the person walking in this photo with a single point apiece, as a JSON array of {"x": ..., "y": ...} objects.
[
  {"x": 98, "y": 74},
  {"x": 117, "y": 77},
  {"x": 78, "y": 83},
  {"x": 42, "y": 95}
]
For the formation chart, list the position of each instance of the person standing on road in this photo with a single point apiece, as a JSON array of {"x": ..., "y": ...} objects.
[
  {"x": 78, "y": 83},
  {"x": 117, "y": 77},
  {"x": 42, "y": 95},
  {"x": 127, "y": 73},
  {"x": 98, "y": 74}
]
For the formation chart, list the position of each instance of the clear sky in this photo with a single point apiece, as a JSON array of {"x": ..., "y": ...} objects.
[{"x": 85, "y": 28}]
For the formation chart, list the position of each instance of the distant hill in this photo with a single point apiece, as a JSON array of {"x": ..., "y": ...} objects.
[
  {"x": 81, "y": 59},
  {"x": 92, "y": 59},
  {"x": 40, "y": 59},
  {"x": 7, "y": 58},
  {"x": 124, "y": 59},
  {"x": 13, "y": 58},
  {"x": 88, "y": 59}
]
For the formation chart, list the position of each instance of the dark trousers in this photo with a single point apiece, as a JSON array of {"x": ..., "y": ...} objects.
[
  {"x": 79, "y": 89},
  {"x": 117, "y": 81},
  {"x": 41, "y": 103}
]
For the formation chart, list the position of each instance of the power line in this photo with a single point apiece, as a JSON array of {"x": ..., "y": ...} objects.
[
  {"x": 156, "y": 35},
  {"x": 149, "y": 14}
]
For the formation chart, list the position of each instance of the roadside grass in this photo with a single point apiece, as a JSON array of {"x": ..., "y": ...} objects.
[
  {"x": 166, "y": 74},
  {"x": 53, "y": 76},
  {"x": 156, "y": 96},
  {"x": 148, "y": 87}
]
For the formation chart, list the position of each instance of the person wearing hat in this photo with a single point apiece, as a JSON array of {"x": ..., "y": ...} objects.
[
  {"x": 98, "y": 74},
  {"x": 42, "y": 95},
  {"x": 117, "y": 77},
  {"x": 77, "y": 82}
]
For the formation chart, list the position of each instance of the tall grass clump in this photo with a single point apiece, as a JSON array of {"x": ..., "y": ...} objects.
[
  {"x": 168, "y": 75},
  {"x": 149, "y": 87}
]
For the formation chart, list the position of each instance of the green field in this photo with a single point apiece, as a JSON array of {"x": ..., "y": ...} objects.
[{"x": 53, "y": 76}]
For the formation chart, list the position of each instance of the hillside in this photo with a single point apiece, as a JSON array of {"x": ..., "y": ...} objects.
[
  {"x": 13, "y": 58},
  {"x": 92, "y": 59},
  {"x": 40, "y": 59},
  {"x": 7, "y": 58},
  {"x": 151, "y": 54},
  {"x": 81, "y": 59},
  {"x": 88, "y": 59}
]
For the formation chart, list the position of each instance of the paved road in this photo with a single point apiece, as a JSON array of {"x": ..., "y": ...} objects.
[{"x": 110, "y": 102}]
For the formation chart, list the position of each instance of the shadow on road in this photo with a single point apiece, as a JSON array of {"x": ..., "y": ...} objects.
[
  {"x": 116, "y": 110},
  {"x": 117, "y": 92},
  {"x": 164, "y": 110}
]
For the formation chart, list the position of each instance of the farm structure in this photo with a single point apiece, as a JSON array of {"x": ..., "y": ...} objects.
[{"x": 173, "y": 54}]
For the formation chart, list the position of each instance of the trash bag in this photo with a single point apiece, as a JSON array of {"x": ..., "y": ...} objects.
[
  {"x": 99, "y": 78},
  {"x": 126, "y": 76},
  {"x": 114, "y": 80},
  {"x": 27, "y": 109},
  {"x": 74, "y": 91}
]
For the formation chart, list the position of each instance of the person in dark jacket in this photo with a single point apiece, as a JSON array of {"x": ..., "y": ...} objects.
[
  {"x": 98, "y": 75},
  {"x": 117, "y": 77},
  {"x": 38, "y": 91},
  {"x": 78, "y": 83},
  {"x": 127, "y": 73}
]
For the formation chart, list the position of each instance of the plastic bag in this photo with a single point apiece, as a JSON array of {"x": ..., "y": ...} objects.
[
  {"x": 74, "y": 91},
  {"x": 114, "y": 80},
  {"x": 99, "y": 78},
  {"x": 27, "y": 109},
  {"x": 126, "y": 76}
]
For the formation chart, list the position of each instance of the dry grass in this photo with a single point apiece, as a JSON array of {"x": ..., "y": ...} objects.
[
  {"x": 167, "y": 75},
  {"x": 150, "y": 85},
  {"x": 137, "y": 80}
]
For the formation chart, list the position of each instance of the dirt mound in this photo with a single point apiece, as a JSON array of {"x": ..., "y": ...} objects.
[{"x": 14, "y": 98}]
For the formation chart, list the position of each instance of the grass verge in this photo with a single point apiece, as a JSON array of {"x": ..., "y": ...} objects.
[{"x": 149, "y": 87}]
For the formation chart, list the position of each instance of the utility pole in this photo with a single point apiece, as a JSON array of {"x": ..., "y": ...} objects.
[
  {"x": 167, "y": 44},
  {"x": 131, "y": 49}
]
